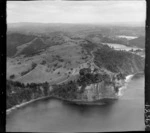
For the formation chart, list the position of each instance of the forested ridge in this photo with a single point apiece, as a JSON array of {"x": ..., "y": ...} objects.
[{"x": 118, "y": 61}]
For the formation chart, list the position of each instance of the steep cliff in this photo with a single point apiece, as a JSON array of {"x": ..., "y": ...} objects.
[{"x": 100, "y": 90}]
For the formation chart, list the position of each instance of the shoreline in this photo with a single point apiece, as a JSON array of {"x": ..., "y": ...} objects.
[
  {"x": 79, "y": 102},
  {"x": 23, "y": 104},
  {"x": 128, "y": 79}
]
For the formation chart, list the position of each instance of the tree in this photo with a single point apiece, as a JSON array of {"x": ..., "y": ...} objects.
[
  {"x": 84, "y": 71},
  {"x": 12, "y": 76},
  {"x": 33, "y": 65},
  {"x": 43, "y": 62}
]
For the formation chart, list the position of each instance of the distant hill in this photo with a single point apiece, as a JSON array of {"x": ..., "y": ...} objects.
[
  {"x": 16, "y": 39},
  {"x": 29, "y": 44},
  {"x": 34, "y": 47},
  {"x": 139, "y": 42},
  {"x": 37, "y": 28}
]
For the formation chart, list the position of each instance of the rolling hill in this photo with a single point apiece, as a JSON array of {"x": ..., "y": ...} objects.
[{"x": 16, "y": 39}]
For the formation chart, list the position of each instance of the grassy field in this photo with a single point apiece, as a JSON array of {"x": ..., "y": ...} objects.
[{"x": 56, "y": 64}]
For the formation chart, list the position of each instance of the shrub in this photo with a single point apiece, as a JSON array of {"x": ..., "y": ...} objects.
[
  {"x": 43, "y": 62},
  {"x": 12, "y": 76}
]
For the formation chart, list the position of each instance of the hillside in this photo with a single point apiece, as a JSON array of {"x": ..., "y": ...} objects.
[
  {"x": 118, "y": 61},
  {"x": 138, "y": 42},
  {"x": 16, "y": 39},
  {"x": 29, "y": 44},
  {"x": 55, "y": 61},
  {"x": 33, "y": 48},
  {"x": 63, "y": 55}
]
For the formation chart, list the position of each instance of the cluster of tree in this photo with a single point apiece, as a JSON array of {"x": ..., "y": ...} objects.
[
  {"x": 66, "y": 91},
  {"x": 120, "y": 76},
  {"x": 88, "y": 46},
  {"x": 70, "y": 90},
  {"x": 86, "y": 77},
  {"x": 43, "y": 62},
  {"x": 12, "y": 76},
  {"x": 18, "y": 93}
]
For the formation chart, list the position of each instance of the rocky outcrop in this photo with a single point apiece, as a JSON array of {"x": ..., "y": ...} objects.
[{"x": 102, "y": 90}]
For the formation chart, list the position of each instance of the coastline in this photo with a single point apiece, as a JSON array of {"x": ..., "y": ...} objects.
[
  {"x": 127, "y": 80},
  {"x": 79, "y": 102},
  {"x": 23, "y": 104}
]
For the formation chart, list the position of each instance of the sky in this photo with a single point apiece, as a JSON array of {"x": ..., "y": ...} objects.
[{"x": 95, "y": 12}]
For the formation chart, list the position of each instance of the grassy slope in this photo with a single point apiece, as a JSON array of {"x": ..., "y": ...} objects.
[{"x": 60, "y": 60}]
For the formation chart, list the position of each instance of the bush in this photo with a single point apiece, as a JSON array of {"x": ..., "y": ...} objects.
[
  {"x": 43, "y": 62},
  {"x": 12, "y": 76},
  {"x": 30, "y": 69},
  {"x": 18, "y": 92}
]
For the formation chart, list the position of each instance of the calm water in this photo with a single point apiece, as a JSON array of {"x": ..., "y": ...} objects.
[
  {"x": 121, "y": 46},
  {"x": 127, "y": 37},
  {"x": 124, "y": 114}
]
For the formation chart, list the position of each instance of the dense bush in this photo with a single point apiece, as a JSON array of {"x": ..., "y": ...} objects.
[
  {"x": 67, "y": 91},
  {"x": 43, "y": 62},
  {"x": 114, "y": 60},
  {"x": 88, "y": 46},
  {"x": 18, "y": 93},
  {"x": 12, "y": 76}
]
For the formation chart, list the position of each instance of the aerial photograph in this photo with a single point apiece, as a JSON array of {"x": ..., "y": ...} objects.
[{"x": 75, "y": 66}]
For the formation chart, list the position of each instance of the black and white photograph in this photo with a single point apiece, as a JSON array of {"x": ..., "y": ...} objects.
[{"x": 75, "y": 66}]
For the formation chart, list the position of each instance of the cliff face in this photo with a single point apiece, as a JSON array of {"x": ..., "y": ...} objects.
[
  {"x": 112, "y": 62},
  {"x": 102, "y": 90}
]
